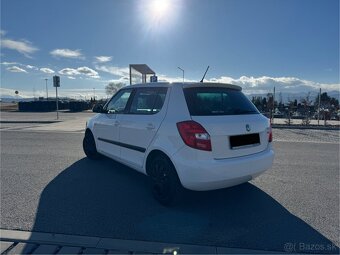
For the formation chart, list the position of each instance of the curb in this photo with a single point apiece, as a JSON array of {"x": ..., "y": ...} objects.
[
  {"x": 20, "y": 240},
  {"x": 279, "y": 126},
  {"x": 31, "y": 121}
]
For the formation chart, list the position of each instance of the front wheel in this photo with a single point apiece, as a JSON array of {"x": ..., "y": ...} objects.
[
  {"x": 89, "y": 146},
  {"x": 166, "y": 186}
]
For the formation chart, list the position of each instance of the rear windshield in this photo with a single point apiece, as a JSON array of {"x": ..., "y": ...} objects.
[{"x": 217, "y": 101}]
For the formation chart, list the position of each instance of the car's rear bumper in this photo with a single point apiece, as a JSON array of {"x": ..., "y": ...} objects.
[{"x": 212, "y": 174}]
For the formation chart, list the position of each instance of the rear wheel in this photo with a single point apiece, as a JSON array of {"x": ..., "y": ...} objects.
[
  {"x": 89, "y": 146},
  {"x": 166, "y": 186}
]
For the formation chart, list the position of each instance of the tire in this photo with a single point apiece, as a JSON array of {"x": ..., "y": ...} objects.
[
  {"x": 166, "y": 186},
  {"x": 89, "y": 146}
]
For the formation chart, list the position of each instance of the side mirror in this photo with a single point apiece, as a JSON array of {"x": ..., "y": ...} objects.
[{"x": 98, "y": 108}]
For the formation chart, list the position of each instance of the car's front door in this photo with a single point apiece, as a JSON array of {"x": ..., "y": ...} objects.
[
  {"x": 140, "y": 124},
  {"x": 106, "y": 128}
]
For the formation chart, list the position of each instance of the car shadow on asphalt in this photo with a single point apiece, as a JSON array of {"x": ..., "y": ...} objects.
[{"x": 106, "y": 199}]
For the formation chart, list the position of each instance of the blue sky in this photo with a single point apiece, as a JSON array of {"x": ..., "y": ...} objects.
[{"x": 258, "y": 44}]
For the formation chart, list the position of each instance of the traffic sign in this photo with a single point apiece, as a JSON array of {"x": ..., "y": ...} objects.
[
  {"x": 56, "y": 81},
  {"x": 153, "y": 78}
]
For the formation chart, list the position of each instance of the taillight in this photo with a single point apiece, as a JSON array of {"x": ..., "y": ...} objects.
[
  {"x": 270, "y": 134},
  {"x": 194, "y": 135}
]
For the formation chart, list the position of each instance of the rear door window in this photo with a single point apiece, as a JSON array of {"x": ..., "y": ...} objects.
[
  {"x": 217, "y": 101},
  {"x": 148, "y": 100}
]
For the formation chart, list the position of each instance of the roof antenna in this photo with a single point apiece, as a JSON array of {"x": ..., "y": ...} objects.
[{"x": 205, "y": 74}]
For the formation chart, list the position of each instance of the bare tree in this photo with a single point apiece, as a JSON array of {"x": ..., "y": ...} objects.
[
  {"x": 290, "y": 108},
  {"x": 113, "y": 87},
  {"x": 306, "y": 103}
]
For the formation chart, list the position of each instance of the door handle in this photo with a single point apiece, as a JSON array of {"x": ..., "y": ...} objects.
[
  {"x": 116, "y": 123},
  {"x": 150, "y": 126}
]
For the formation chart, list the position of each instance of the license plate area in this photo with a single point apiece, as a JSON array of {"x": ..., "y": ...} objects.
[{"x": 244, "y": 141}]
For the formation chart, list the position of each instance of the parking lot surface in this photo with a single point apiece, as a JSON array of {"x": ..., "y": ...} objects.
[{"x": 47, "y": 185}]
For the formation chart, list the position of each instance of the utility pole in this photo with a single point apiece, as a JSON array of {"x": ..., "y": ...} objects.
[
  {"x": 182, "y": 72},
  {"x": 46, "y": 90},
  {"x": 56, "y": 84},
  {"x": 319, "y": 107},
  {"x": 56, "y": 99},
  {"x": 94, "y": 94}
]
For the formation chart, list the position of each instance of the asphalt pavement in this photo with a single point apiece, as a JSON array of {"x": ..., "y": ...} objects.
[{"x": 47, "y": 185}]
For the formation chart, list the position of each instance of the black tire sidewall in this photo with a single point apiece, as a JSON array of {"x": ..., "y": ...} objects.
[
  {"x": 173, "y": 187},
  {"x": 89, "y": 146}
]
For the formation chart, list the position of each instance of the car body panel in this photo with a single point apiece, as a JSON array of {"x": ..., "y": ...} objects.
[
  {"x": 105, "y": 129},
  {"x": 221, "y": 128}
]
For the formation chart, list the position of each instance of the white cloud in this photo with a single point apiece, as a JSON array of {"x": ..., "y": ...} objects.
[
  {"x": 124, "y": 80},
  {"x": 256, "y": 85},
  {"x": 88, "y": 72},
  {"x": 31, "y": 67},
  {"x": 67, "y": 53},
  {"x": 118, "y": 71},
  {"x": 8, "y": 63},
  {"x": 71, "y": 77},
  {"x": 83, "y": 93},
  {"x": 164, "y": 78},
  {"x": 68, "y": 71},
  {"x": 103, "y": 59},
  {"x": 24, "y": 47},
  {"x": 265, "y": 84},
  {"x": 84, "y": 70},
  {"x": 16, "y": 69},
  {"x": 124, "y": 75},
  {"x": 19, "y": 64},
  {"x": 10, "y": 93},
  {"x": 71, "y": 93},
  {"x": 47, "y": 70}
]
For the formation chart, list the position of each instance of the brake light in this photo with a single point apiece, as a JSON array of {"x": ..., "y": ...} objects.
[
  {"x": 194, "y": 135},
  {"x": 270, "y": 134}
]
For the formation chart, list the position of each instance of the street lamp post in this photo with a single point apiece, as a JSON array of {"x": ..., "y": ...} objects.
[
  {"x": 182, "y": 72},
  {"x": 46, "y": 90}
]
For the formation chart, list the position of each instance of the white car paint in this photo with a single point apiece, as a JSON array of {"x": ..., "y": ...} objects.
[{"x": 136, "y": 136}]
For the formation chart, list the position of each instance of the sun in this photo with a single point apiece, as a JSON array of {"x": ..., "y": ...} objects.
[
  {"x": 159, "y": 15},
  {"x": 160, "y": 8}
]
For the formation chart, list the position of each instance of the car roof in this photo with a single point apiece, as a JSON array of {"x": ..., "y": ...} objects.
[{"x": 185, "y": 85}]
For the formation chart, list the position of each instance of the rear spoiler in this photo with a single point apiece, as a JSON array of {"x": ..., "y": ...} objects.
[{"x": 211, "y": 85}]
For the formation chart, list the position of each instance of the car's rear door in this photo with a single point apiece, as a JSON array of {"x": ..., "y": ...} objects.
[{"x": 140, "y": 124}]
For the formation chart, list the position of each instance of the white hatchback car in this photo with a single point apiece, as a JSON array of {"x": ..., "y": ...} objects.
[{"x": 200, "y": 136}]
